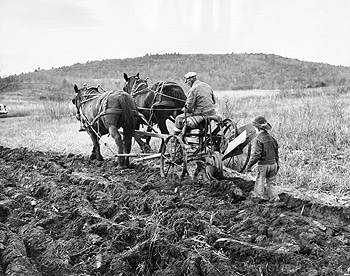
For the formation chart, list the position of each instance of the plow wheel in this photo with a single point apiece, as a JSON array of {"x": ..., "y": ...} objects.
[
  {"x": 214, "y": 166},
  {"x": 229, "y": 133},
  {"x": 173, "y": 159},
  {"x": 222, "y": 135}
]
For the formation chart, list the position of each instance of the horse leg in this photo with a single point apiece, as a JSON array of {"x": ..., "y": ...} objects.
[
  {"x": 145, "y": 148},
  {"x": 113, "y": 131},
  {"x": 96, "y": 153},
  {"x": 148, "y": 138},
  {"x": 163, "y": 129},
  {"x": 127, "y": 146}
]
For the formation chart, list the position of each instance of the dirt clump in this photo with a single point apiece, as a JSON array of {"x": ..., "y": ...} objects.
[{"x": 67, "y": 215}]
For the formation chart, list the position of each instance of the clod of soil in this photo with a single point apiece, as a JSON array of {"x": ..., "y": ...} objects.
[{"x": 67, "y": 215}]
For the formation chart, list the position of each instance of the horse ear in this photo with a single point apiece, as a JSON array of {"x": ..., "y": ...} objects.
[
  {"x": 76, "y": 88},
  {"x": 126, "y": 77},
  {"x": 138, "y": 75}
]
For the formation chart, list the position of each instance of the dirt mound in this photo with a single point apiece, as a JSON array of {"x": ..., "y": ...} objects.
[{"x": 67, "y": 215}]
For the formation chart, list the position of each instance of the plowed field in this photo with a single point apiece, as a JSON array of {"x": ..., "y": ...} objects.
[{"x": 67, "y": 215}]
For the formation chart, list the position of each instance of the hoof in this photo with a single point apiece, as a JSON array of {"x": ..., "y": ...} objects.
[
  {"x": 95, "y": 157},
  {"x": 92, "y": 157},
  {"x": 123, "y": 166},
  {"x": 131, "y": 166}
]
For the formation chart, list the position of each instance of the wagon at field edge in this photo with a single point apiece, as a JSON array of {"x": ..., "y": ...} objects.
[{"x": 3, "y": 109}]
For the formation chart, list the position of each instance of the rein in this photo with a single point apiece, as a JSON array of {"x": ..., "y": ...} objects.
[
  {"x": 160, "y": 88},
  {"x": 159, "y": 109},
  {"x": 134, "y": 92},
  {"x": 169, "y": 97},
  {"x": 88, "y": 99},
  {"x": 103, "y": 108},
  {"x": 97, "y": 133},
  {"x": 159, "y": 91}
]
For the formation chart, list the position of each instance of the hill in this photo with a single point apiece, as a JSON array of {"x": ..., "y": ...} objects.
[{"x": 222, "y": 71}]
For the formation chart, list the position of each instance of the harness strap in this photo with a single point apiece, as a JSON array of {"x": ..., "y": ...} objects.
[
  {"x": 159, "y": 109},
  {"x": 164, "y": 103},
  {"x": 158, "y": 98},
  {"x": 104, "y": 110},
  {"x": 159, "y": 91}
]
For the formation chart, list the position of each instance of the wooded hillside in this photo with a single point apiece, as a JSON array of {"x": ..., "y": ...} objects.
[{"x": 221, "y": 71}]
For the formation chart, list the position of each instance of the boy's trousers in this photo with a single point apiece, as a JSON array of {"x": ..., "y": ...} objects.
[{"x": 265, "y": 179}]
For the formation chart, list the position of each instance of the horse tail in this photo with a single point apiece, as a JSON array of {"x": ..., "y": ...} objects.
[{"x": 129, "y": 110}]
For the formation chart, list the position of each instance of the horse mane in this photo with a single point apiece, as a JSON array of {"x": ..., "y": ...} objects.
[{"x": 91, "y": 89}]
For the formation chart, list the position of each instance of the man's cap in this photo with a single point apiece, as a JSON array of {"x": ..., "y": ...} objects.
[
  {"x": 190, "y": 75},
  {"x": 261, "y": 122}
]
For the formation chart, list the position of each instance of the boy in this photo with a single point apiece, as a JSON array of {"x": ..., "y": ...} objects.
[{"x": 265, "y": 154}]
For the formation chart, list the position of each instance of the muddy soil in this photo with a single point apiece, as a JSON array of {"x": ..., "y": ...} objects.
[{"x": 67, "y": 215}]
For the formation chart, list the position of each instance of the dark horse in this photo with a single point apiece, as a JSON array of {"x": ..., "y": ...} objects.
[
  {"x": 106, "y": 112},
  {"x": 162, "y": 101}
]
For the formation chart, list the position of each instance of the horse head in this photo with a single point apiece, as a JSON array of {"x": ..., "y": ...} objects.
[
  {"x": 129, "y": 82},
  {"x": 134, "y": 84},
  {"x": 82, "y": 94},
  {"x": 78, "y": 96}
]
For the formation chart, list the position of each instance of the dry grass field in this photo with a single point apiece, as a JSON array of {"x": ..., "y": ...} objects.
[{"x": 311, "y": 126}]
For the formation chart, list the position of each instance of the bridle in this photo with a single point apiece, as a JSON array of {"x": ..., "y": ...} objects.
[
  {"x": 84, "y": 95},
  {"x": 138, "y": 83}
]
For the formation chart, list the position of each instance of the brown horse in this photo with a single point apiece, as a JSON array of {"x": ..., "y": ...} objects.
[
  {"x": 162, "y": 101},
  {"x": 104, "y": 113}
]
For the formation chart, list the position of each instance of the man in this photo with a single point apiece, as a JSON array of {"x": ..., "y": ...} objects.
[
  {"x": 200, "y": 102},
  {"x": 265, "y": 154}
]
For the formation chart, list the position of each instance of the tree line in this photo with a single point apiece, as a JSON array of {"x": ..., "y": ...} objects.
[{"x": 221, "y": 71}]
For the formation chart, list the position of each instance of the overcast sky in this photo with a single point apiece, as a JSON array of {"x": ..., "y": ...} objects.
[{"x": 54, "y": 33}]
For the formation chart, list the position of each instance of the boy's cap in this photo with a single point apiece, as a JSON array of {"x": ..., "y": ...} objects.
[{"x": 260, "y": 122}]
